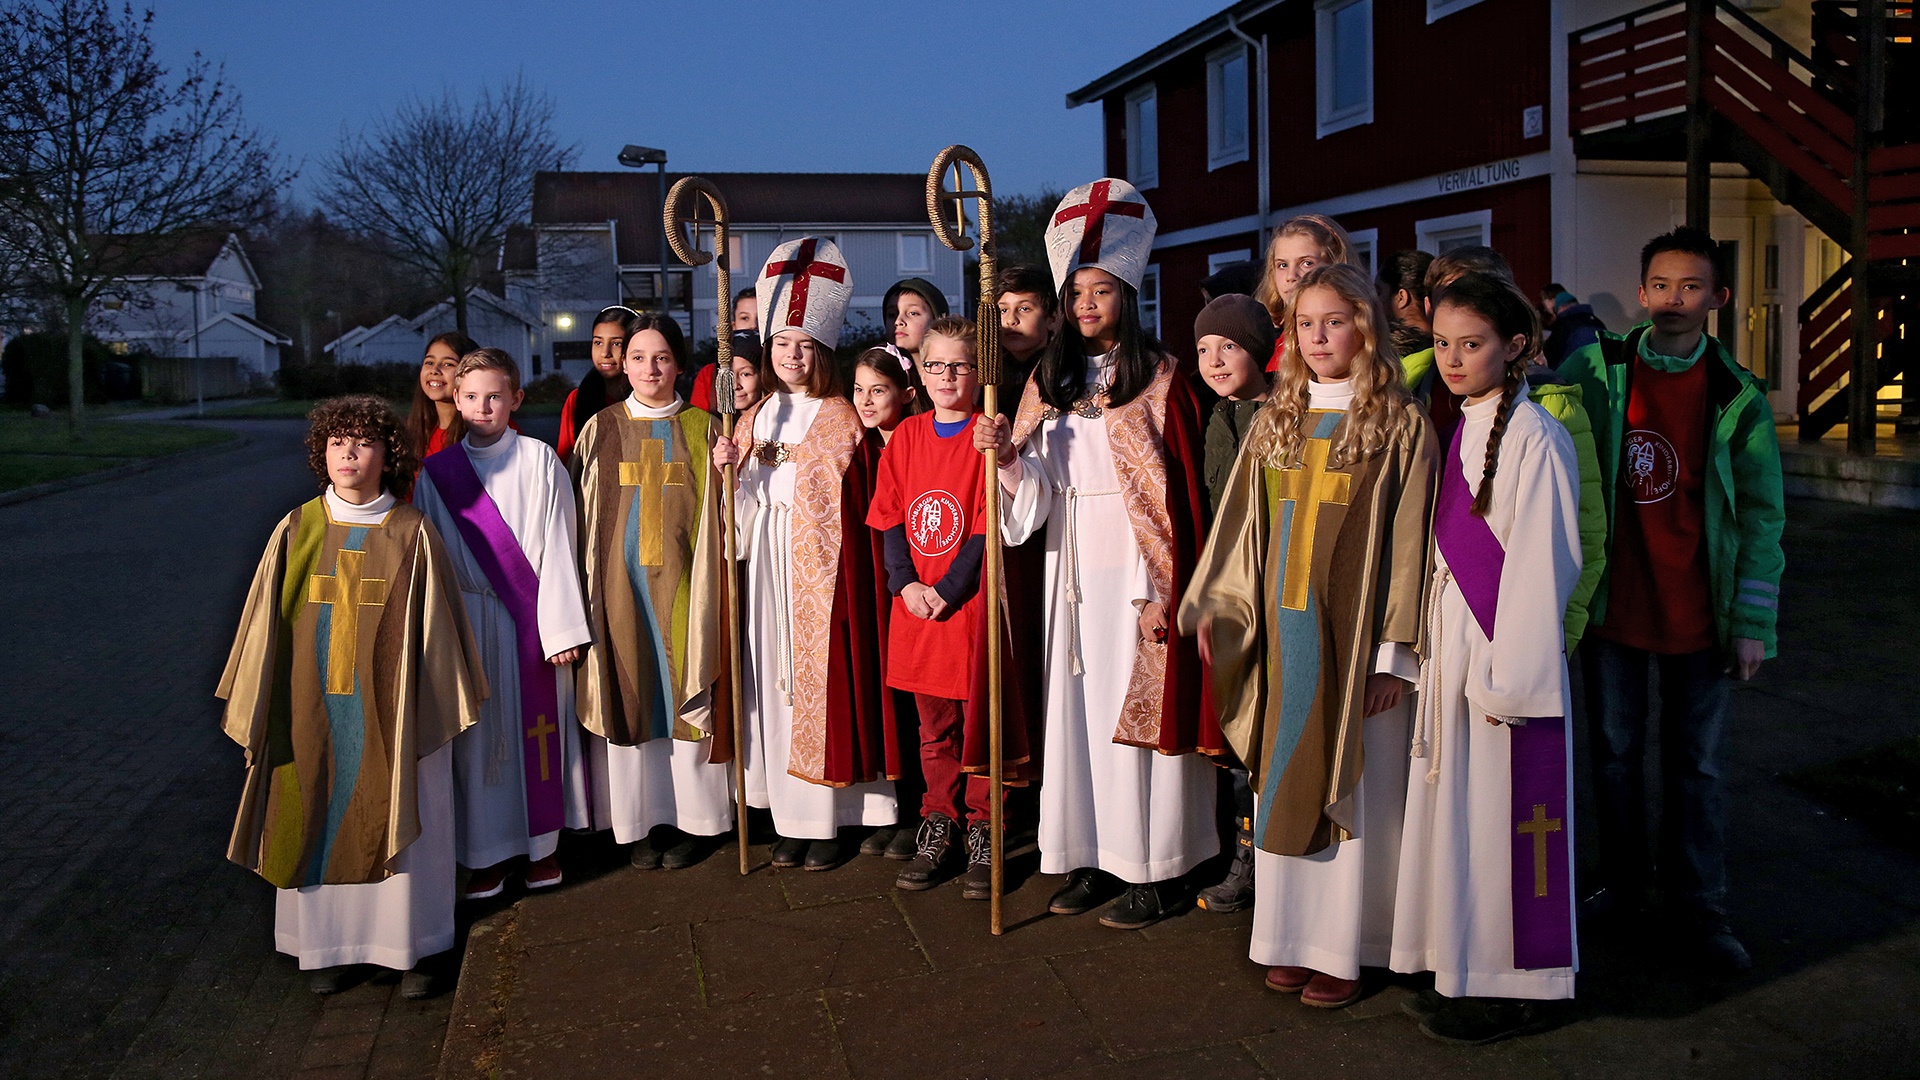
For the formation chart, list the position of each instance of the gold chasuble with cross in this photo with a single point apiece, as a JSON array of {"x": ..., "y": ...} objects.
[
  {"x": 652, "y": 559},
  {"x": 353, "y": 661},
  {"x": 1312, "y": 564}
]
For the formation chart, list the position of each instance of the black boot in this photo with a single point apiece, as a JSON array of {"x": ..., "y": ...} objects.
[
  {"x": 977, "y": 882},
  {"x": 935, "y": 849},
  {"x": 1141, "y": 906},
  {"x": 684, "y": 850},
  {"x": 879, "y": 840},
  {"x": 329, "y": 980},
  {"x": 1087, "y": 888},
  {"x": 1472, "y": 1021},
  {"x": 825, "y": 854},
  {"x": 906, "y": 840},
  {"x": 788, "y": 852},
  {"x": 1235, "y": 892}
]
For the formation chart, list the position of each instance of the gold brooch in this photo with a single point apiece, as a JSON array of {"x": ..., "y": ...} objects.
[
  {"x": 773, "y": 454},
  {"x": 1089, "y": 407}
]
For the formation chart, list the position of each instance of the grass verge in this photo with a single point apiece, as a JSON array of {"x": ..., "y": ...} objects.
[{"x": 38, "y": 451}]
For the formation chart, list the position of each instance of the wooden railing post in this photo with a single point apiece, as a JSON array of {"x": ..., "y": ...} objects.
[
  {"x": 1863, "y": 381},
  {"x": 1699, "y": 120}
]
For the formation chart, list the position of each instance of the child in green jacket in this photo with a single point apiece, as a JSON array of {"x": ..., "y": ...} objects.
[{"x": 1694, "y": 515}]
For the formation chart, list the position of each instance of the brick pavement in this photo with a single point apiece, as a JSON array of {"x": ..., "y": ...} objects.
[
  {"x": 785, "y": 973},
  {"x": 129, "y": 947}
]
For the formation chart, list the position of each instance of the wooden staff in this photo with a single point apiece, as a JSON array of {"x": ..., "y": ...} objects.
[
  {"x": 723, "y": 403},
  {"x": 987, "y": 363}
]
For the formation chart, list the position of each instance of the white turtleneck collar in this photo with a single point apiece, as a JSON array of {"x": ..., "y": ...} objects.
[
  {"x": 1330, "y": 395},
  {"x": 638, "y": 410},
  {"x": 499, "y": 447},
  {"x": 347, "y": 513},
  {"x": 1484, "y": 412}
]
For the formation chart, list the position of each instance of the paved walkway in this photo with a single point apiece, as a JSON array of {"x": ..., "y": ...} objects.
[
  {"x": 130, "y": 948},
  {"x": 786, "y": 973}
]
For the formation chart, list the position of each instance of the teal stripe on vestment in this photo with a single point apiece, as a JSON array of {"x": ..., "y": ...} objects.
[
  {"x": 346, "y": 730},
  {"x": 1298, "y": 635},
  {"x": 660, "y": 721}
]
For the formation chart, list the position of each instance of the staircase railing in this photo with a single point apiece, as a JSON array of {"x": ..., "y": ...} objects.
[{"x": 1634, "y": 68}]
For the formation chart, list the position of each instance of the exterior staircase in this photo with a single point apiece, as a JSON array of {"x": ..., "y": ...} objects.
[{"x": 1701, "y": 80}]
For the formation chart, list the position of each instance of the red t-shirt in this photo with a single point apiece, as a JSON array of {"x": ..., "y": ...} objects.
[
  {"x": 931, "y": 485},
  {"x": 1659, "y": 599}
]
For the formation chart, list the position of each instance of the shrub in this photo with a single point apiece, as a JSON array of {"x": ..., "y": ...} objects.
[
  {"x": 35, "y": 366},
  {"x": 313, "y": 382},
  {"x": 548, "y": 389}
]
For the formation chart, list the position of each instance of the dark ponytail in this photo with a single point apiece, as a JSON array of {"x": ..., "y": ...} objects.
[{"x": 1483, "y": 495}]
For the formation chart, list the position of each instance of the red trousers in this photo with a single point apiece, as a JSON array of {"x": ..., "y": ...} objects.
[{"x": 942, "y": 727}]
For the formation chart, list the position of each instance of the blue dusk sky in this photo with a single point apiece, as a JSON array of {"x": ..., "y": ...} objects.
[{"x": 843, "y": 87}]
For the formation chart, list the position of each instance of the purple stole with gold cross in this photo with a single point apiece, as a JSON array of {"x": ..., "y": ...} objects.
[
  {"x": 1542, "y": 911},
  {"x": 500, "y": 557}
]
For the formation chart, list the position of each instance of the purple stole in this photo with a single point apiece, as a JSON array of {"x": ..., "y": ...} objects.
[
  {"x": 493, "y": 546},
  {"x": 1542, "y": 905}
]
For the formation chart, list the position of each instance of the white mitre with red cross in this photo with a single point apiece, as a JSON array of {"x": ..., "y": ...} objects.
[
  {"x": 805, "y": 286},
  {"x": 1105, "y": 224}
]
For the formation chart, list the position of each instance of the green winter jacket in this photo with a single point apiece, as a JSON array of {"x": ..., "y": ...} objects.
[
  {"x": 1562, "y": 402},
  {"x": 1745, "y": 508}
]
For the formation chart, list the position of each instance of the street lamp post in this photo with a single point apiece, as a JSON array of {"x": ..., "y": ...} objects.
[
  {"x": 199, "y": 391},
  {"x": 636, "y": 157}
]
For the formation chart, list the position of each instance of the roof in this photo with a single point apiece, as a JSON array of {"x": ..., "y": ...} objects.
[
  {"x": 1200, "y": 33},
  {"x": 187, "y": 256},
  {"x": 631, "y": 199},
  {"x": 253, "y": 326},
  {"x": 521, "y": 250},
  {"x": 475, "y": 295}
]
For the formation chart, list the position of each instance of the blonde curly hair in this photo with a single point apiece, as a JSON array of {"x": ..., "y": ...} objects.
[{"x": 1379, "y": 416}]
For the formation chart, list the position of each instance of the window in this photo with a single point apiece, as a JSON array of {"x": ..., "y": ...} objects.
[
  {"x": 1437, "y": 236},
  {"x": 736, "y": 253},
  {"x": 1220, "y": 260},
  {"x": 1150, "y": 301},
  {"x": 1227, "y": 107},
  {"x": 1366, "y": 250},
  {"x": 1344, "y": 34},
  {"x": 916, "y": 253},
  {"x": 1143, "y": 138},
  {"x": 1439, "y": 9}
]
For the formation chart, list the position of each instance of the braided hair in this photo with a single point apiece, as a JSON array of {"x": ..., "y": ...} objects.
[{"x": 1498, "y": 300}]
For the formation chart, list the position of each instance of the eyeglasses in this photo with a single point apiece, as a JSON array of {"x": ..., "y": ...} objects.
[{"x": 960, "y": 368}]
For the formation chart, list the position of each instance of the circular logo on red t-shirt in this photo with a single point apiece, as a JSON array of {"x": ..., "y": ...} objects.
[
  {"x": 934, "y": 523},
  {"x": 1652, "y": 468}
]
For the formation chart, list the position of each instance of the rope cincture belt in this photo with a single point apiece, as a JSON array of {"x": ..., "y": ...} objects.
[
  {"x": 780, "y": 521},
  {"x": 1070, "y": 570},
  {"x": 1426, "y": 733}
]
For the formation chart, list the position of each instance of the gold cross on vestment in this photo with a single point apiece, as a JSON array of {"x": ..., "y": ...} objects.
[
  {"x": 542, "y": 727},
  {"x": 345, "y": 591},
  {"x": 652, "y": 474},
  {"x": 1307, "y": 487},
  {"x": 1539, "y": 827}
]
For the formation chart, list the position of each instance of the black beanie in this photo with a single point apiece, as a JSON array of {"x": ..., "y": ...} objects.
[
  {"x": 926, "y": 290},
  {"x": 1240, "y": 319}
]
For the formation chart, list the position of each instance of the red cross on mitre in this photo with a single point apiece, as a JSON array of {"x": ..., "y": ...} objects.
[
  {"x": 1095, "y": 210},
  {"x": 804, "y": 268}
]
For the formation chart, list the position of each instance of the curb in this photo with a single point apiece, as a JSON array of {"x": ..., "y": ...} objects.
[
  {"x": 488, "y": 970},
  {"x": 132, "y": 468}
]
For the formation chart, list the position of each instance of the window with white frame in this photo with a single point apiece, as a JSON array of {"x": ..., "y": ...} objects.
[
  {"x": 1227, "y": 106},
  {"x": 1365, "y": 245},
  {"x": 1343, "y": 31},
  {"x": 1438, "y": 236},
  {"x": 916, "y": 253},
  {"x": 1143, "y": 138},
  {"x": 1150, "y": 301},
  {"x": 1220, "y": 260},
  {"x": 1438, "y": 9}
]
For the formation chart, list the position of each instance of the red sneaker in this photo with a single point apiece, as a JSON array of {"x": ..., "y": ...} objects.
[
  {"x": 1289, "y": 980},
  {"x": 481, "y": 884},
  {"x": 544, "y": 874}
]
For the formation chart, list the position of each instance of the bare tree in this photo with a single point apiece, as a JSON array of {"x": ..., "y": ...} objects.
[
  {"x": 110, "y": 161},
  {"x": 1020, "y": 225},
  {"x": 441, "y": 182}
]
